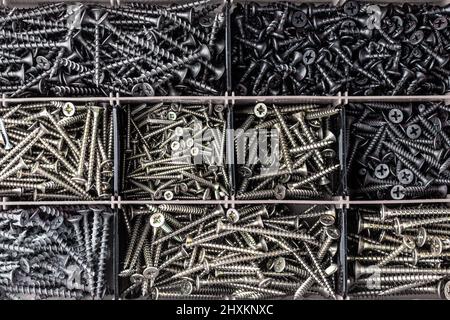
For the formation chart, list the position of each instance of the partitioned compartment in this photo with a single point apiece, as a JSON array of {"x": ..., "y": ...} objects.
[
  {"x": 399, "y": 251},
  {"x": 363, "y": 48},
  {"x": 56, "y": 252},
  {"x": 288, "y": 149},
  {"x": 172, "y": 251},
  {"x": 55, "y": 150},
  {"x": 175, "y": 150},
  {"x": 92, "y": 49},
  {"x": 398, "y": 150}
]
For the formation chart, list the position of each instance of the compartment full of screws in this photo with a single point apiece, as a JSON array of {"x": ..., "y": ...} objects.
[
  {"x": 175, "y": 151},
  {"x": 399, "y": 251},
  {"x": 137, "y": 49},
  {"x": 56, "y": 151},
  {"x": 56, "y": 253},
  {"x": 210, "y": 252},
  {"x": 398, "y": 150},
  {"x": 287, "y": 151},
  {"x": 285, "y": 48}
]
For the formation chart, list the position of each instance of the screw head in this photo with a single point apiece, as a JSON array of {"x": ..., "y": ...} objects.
[
  {"x": 206, "y": 21},
  {"x": 358, "y": 268},
  {"x": 421, "y": 237},
  {"x": 405, "y": 176},
  {"x": 279, "y": 264},
  {"x": 415, "y": 256},
  {"x": 186, "y": 287},
  {"x": 168, "y": 195},
  {"x": 348, "y": 24},
  {"x": 157, "y": 220},
  {"x": 398, "y": 192},
  {"x": 440, "y": 23},
  {"x": 241, "y": 90},
  {"x": 137, "y": 278},
  {"x": 195, "y": 151},
  {"x": 333, "y": 233},
  {"x": 413, "y": 131},
  {"x": 179, "y": 131},
  {"x": 395, "y": 115},
  {"x": 351, "y": 8},
  {"x": 189, "y": 142},
  {"x": 309, "y": 57},
  {"x": 175, "y": 145},
  {"x": 300, "y": 72},
  {"x": 260, "y": 110},
  {"x": 232, "y": 215},
  {"x": 75, "y": 219},
  {"x": 143, "y": 89},
  {"x": 327, "y": 220},
  {"x": 417, "y": 53},
  {"x": 417, "y": 37},
  {"x": 436, "y": 245},
  {"x": 299, "y": 19},
  {"x": 56, "y": 223},
  {"x": 409, "y": 243},
  {"x": 150, "y": 272},
  {"x": 68, "y": 109},
  {"x": 43, "y": 63},
  {"x": 264, "y": 283},
  {"x": 382, "y": 171},
  {"x": 280, "y": 192},
  {"x": 171, "y": 115}
]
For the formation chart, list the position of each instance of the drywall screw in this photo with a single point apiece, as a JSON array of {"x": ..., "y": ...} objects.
[
  {"x": 54, "y": 34},
  {"x": 229, "y": 255},
  {"x": 405, "y": 154},
  {"x": 47, "y": 250},
  {"x": 106, "y": 216},
  {"x": 188, "y": 146},
  {"x": 390, "y": 272},
  {"x": 294, "y": 149},
  {"x": 93, "y": 146},
  {"x": 55, "y": 162}
]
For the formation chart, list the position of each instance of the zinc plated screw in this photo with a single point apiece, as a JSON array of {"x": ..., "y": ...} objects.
[
  {"x": 387, "y": 271},
  {"x": 54, "y": 250},
  {"x": 228, "y": 255}
]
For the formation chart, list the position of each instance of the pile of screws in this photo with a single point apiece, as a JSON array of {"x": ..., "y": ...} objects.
[
  {"x": 135, "y": 50},
  {"x": 365, "y": 49},
  {"x": 56, "y": 151},
  {"x": 253, "y": 252},
  {"x": 401, "y": 251},
  {"x": 54, "y": 252},
  {"x": 175, "y": 152},
  {"x": 303, "y": 162},
  {"x": 398, "y": 150}
]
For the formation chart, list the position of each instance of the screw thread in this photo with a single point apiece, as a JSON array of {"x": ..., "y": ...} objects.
[
  {"x": 44, "y": 291},
  {"x": 102, "y": 256},
  {"x": 16, "y": 248},
  {"x": 182, "y": 209}
]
